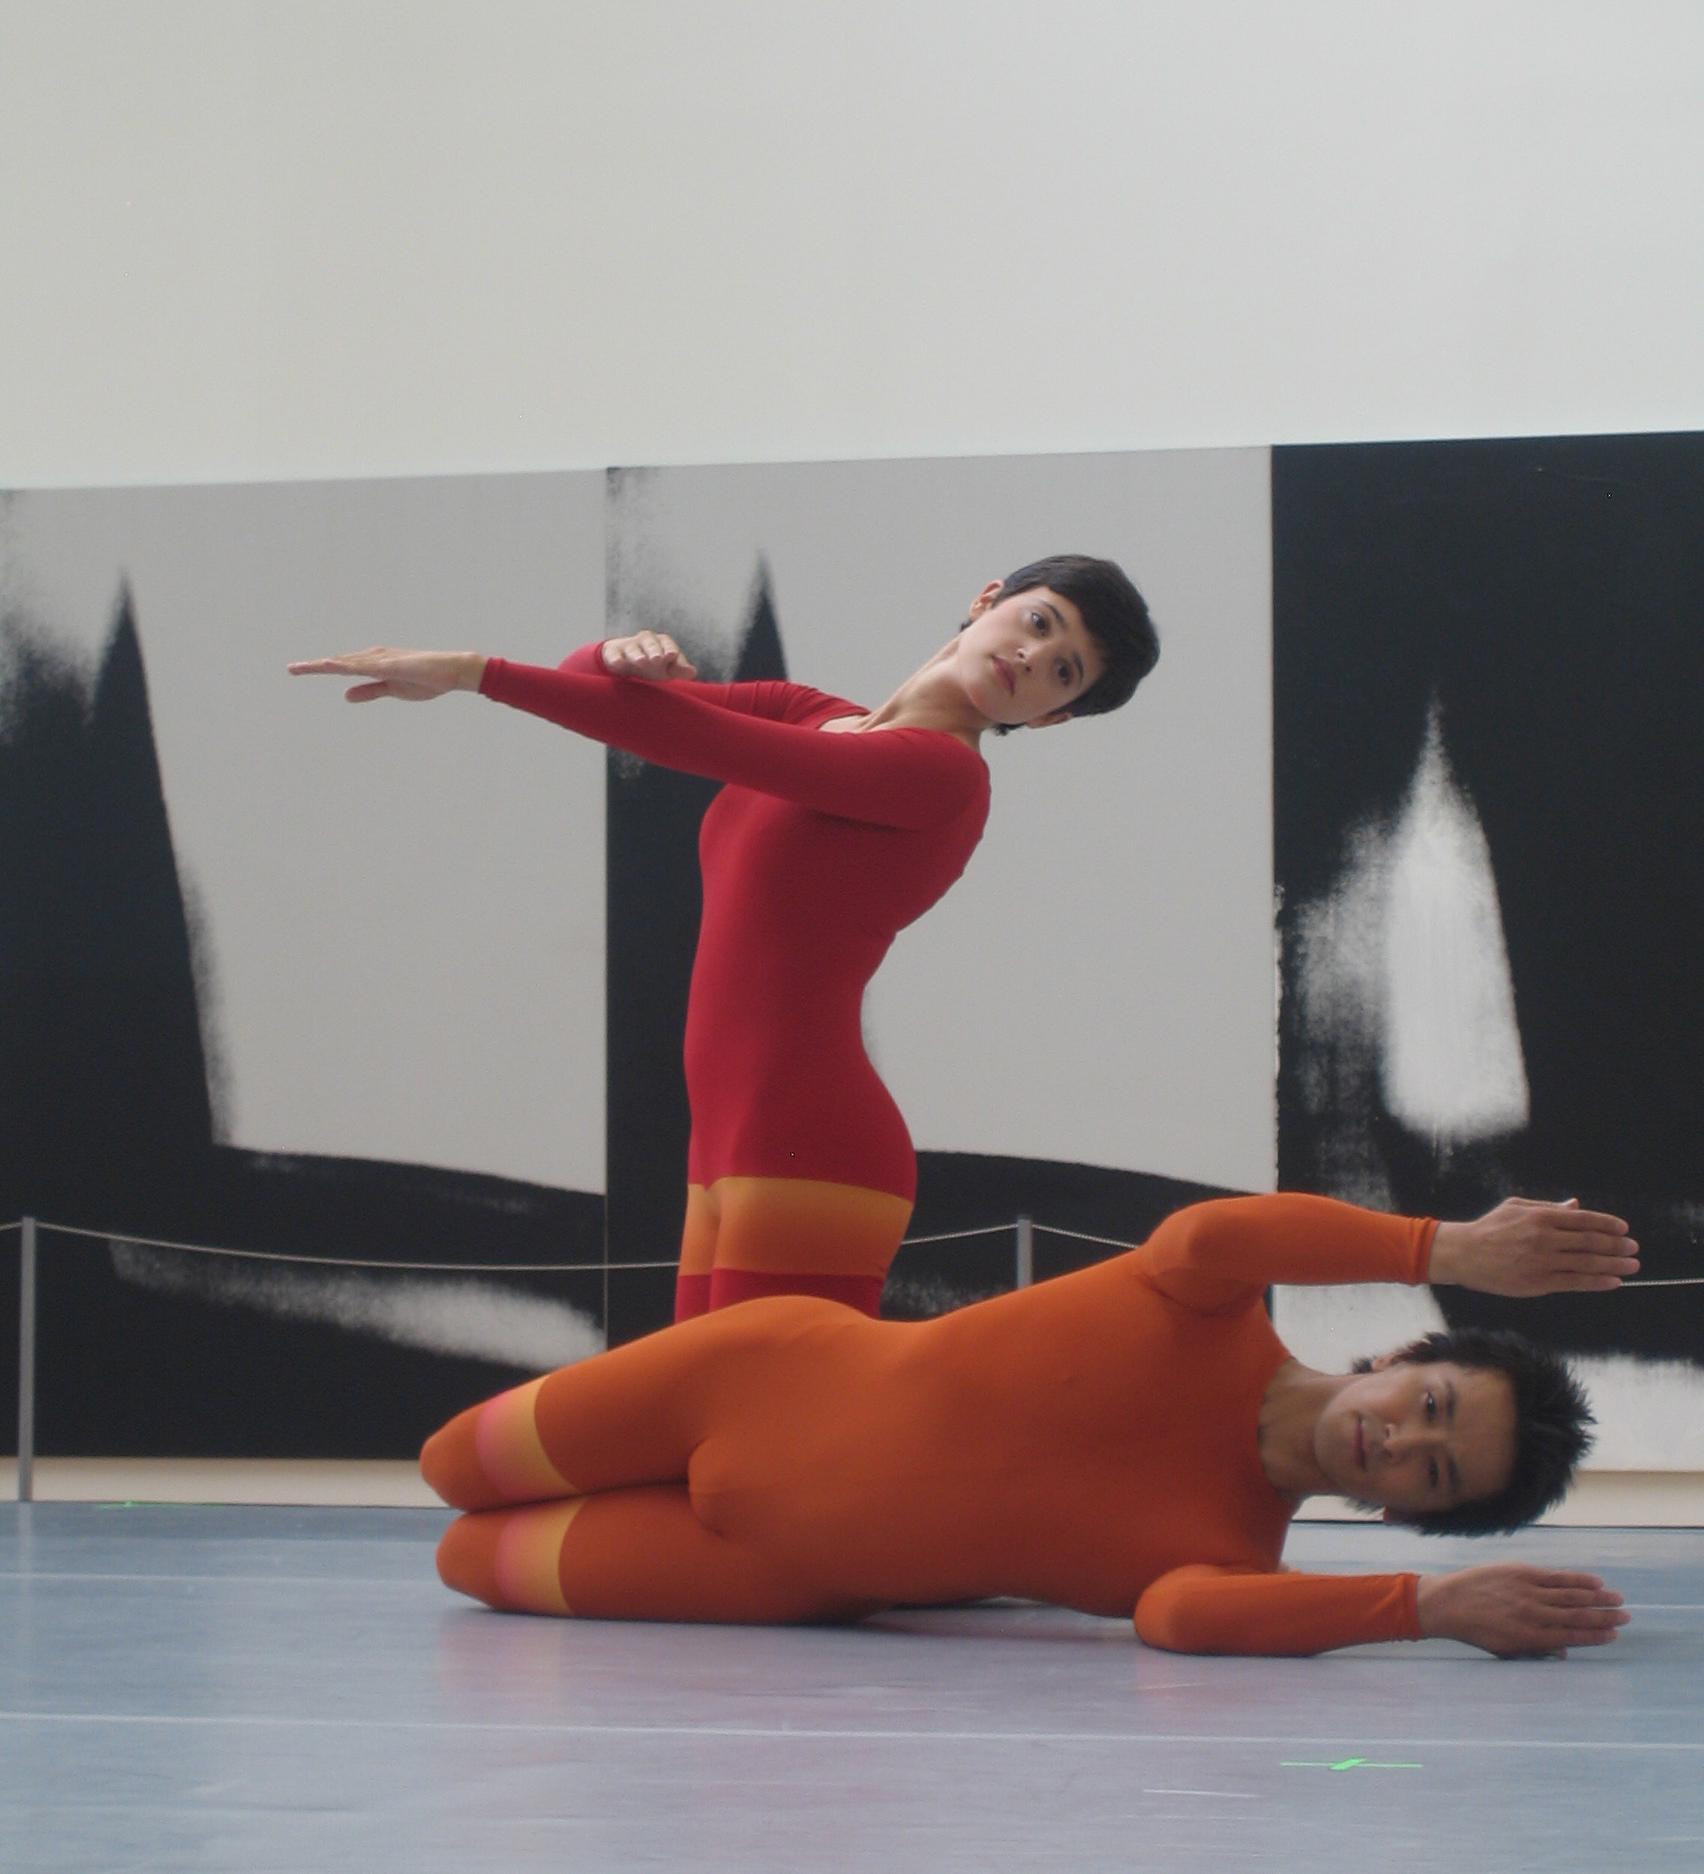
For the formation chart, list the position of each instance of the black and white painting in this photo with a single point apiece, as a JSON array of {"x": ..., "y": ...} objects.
[
  {"x": 405, "y": 985},
  {"x": 293, "y": 978},
  {"x": 1489, "y": 686}
]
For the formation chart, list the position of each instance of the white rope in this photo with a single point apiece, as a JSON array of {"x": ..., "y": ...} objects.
[
  {"x": 442, "y": 1268},
  {"x": 951, "y": 1236},
  {"x": 353, "y": 1262},
  {"x": 599, "y": 1268},
  {"x": 1082, "y": 1236}
]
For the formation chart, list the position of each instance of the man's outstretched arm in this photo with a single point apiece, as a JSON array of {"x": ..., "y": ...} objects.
[
  {"x": 1508, "y": 1608},
  {"x": 1214, "y": 1255}
]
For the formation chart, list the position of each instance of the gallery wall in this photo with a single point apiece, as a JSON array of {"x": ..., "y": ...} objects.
[
  {"x": 300, "y": 242},
  {"x": 287, "y": 239}
]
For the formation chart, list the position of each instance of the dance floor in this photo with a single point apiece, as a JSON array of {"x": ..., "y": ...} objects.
[{"x": 232, "y": 1688}]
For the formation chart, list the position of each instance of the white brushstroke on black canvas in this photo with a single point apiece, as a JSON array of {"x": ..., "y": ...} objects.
[
  {"x": 479, "y": 1319},
  {"x": 1403, "y": 985},
  {"x": 1451, "y": 1066}
]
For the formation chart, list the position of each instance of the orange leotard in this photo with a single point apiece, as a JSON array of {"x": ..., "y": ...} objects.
[{"x": 1091, "y": 1441}]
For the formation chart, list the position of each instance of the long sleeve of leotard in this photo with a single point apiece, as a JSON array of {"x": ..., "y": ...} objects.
[
  {"x": 895, "y": 777},
  {"x": 1221, "y": 1610},
  {"x": 587, "y": 661},
  {"x": 1217, "y": 1255},
  {"x": 779, "y": 701}
]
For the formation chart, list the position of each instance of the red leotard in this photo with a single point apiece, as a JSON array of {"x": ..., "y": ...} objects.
[
  {"x": 1092, "y": 1441},
  {"x": 821, "y": 848}
]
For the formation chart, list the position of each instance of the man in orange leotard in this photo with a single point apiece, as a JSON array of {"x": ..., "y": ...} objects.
[{"x": 1130, "y": 1437}]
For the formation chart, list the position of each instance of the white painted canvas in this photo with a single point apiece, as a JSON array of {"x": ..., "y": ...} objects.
[{"x": 400, "y": 908}]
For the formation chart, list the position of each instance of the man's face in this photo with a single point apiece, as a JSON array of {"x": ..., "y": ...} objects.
[{"x": 1416, "y": 1438}]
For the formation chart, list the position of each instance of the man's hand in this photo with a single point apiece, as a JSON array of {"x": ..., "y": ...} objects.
[
  {"x": 1525, "y": 1247},
  {"x": 653, "y": 655},
  {"x": 409, "y": 676},
  {"x": 1520, "y": 1612}
]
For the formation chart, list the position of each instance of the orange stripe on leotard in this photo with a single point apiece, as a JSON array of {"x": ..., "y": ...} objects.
[
  {"x": 510, "y": 1559},
  {"x": 528, "y": 1562},
  {"x": 510, "y": 1451},
  {"x": 762, "y": 1236}
]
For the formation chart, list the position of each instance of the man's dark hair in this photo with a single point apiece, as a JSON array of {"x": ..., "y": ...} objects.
[
  {"x": 1115, "y": 613},
  {"x": 1552, "y": 1428}
]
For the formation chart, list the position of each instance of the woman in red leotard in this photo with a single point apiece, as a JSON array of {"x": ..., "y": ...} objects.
[{"x": 836, "y": 828}]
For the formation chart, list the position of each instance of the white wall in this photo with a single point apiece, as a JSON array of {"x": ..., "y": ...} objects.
[{"x": 258, "y": 239}]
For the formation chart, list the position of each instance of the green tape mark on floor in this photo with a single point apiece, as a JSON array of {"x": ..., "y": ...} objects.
[{"x": 1348, "y": 1763}]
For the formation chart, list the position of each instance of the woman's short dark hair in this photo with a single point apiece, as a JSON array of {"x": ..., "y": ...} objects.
[
  {"x": 1115, "y": 613},
  {"x": 1552, "y": 1428}
]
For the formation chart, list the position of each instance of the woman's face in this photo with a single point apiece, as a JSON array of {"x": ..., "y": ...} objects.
[{"x": 1026, "y": 658}]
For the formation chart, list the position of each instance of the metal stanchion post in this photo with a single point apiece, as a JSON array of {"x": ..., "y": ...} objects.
[
  {"x": 26, "y": 1358},
  {"x": 1025, "y": 1253}
]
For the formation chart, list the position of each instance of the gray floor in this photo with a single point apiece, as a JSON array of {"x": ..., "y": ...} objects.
[{"x": 240, "y": 1688}]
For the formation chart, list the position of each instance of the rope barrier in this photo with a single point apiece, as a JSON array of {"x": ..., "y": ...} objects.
[
  {"x": 437, "y": 1268},
  {"x": 1082, "y": 1236},
  {"x": 357, "y": 1262},
  {"x": 950, "y": 1236},
  {"x": 600, "y": 1268}
]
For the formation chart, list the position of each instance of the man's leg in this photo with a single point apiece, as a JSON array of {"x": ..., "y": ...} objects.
[
  {"x": 634, "y": 1554},
  {"x": 633, "y": 1415}
]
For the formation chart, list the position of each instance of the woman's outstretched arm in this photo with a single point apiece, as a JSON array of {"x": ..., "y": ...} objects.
[{"x": 900, "y": 777}]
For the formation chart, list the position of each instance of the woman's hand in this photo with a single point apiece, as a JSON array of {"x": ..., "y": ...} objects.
[
  {"x": 653, "y": 655},
  {"x": 1520, "y": 1612},
  {"x": 409, "y": 676},
  {"x": 1525, "y": 1247}
]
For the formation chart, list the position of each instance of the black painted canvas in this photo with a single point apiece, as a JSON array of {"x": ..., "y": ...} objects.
[{"x": 1489, "y": 831}]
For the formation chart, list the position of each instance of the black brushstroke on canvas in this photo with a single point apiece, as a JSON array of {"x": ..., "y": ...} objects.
[
  {"x": 101, "y": 1033},
  {"x": 107, "y": 1124},
  {"x": 1548, "y": 595}
]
